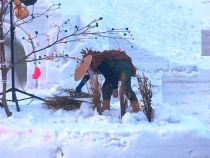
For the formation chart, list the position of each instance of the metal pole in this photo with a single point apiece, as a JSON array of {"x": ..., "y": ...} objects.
[
  {"x": 12, "y": 30},
  {"x": 12, "y": 42}
]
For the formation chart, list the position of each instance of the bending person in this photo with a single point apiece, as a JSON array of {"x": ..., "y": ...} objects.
[{"x": 112, "y": 65}]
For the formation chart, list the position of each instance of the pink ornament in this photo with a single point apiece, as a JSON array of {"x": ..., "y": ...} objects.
[{"x": 37, "y": 73}]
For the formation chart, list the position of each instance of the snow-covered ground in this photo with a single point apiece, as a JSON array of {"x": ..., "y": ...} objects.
[{"x": 167, "y": 49}]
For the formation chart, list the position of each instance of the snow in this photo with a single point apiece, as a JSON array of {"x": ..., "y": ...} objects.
[{"x": 166, "y": 49}]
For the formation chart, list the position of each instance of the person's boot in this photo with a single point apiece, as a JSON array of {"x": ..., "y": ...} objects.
[
  {"x": 105, "y": 105},
  {"x": 135, "y": 106}
]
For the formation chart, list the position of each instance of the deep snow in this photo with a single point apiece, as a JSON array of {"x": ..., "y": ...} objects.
[{"x": 166, "y": 49}]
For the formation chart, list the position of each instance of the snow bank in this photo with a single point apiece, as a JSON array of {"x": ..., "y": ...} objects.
[{"x": 167, "y": 50}]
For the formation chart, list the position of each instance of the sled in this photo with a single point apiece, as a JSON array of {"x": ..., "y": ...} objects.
[{"x": 146, "y": 93}]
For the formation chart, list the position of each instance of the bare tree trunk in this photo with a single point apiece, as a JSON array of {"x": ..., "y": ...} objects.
[
  {"x": 4, "y": 69},
  {"x": 4, "y": 89}
]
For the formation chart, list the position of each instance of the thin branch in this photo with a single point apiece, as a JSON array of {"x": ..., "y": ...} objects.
[
  {"x": 52, "y": 58},
  {"x": 34, "y": 16},
  {"x": 76, "y": 33}
]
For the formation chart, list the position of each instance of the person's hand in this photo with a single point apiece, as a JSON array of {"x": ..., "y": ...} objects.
[{"x": 115, "y": 93}]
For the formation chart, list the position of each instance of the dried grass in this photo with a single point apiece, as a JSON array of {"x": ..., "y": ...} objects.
[
  {"x": 146, "y": 93},
  {"x": 95, "y": 90},
  {"x": 69, "y": 102}
]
